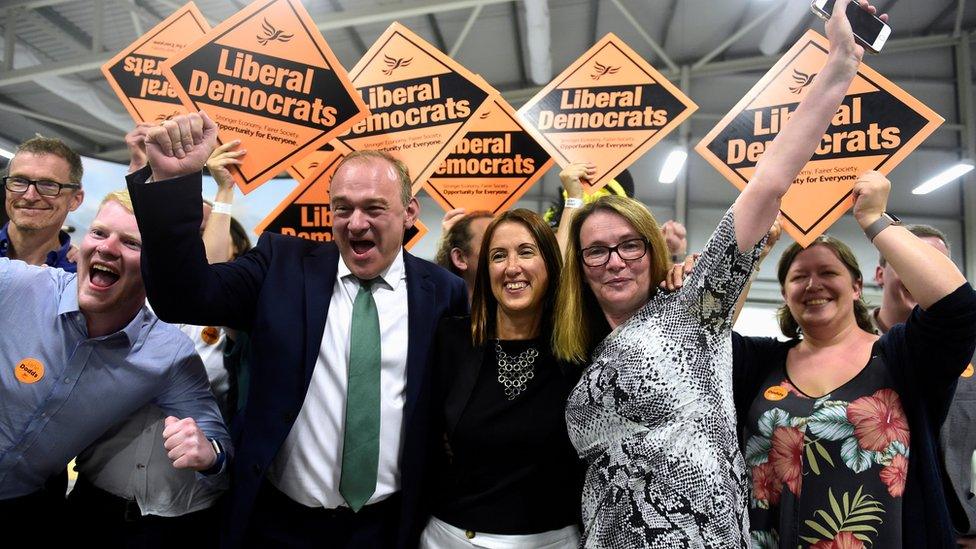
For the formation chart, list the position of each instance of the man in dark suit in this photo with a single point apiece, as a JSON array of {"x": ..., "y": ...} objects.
[{"x": 331, "y": 445}]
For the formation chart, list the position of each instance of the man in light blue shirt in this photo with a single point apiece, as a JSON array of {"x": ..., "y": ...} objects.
[{"x": 79, "y": 354}]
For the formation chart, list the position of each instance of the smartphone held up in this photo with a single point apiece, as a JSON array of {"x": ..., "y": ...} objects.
[{"x": 869, "y": 31}]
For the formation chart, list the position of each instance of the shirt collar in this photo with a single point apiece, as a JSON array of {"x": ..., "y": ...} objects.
[
  {"x": 391, "y": 276},
  {"x": 59, "y": 257},
  {"x": 4, "y": 240},
  {"x": 55, "y": 258},
  {"x": 134, "y": 327},
  {"x": 68, "y": 304}
]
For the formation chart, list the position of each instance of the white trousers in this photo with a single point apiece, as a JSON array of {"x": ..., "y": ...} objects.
[{"x": 441, "y": 535}]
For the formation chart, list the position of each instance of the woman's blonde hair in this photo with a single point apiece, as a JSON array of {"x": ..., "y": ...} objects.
[
  {"x": 580, "y": 322},
  {"x": 787, "y": 323}
]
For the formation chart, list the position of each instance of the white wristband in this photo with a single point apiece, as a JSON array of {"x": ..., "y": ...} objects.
[
  {"x": 572, "y": 202},
  {"x": 222, "y": 208}
]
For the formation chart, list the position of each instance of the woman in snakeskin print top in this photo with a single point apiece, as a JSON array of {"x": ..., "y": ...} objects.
[{"x": 653, "y": 415}]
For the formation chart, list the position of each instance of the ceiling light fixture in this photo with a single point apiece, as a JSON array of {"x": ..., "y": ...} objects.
[
  {"x": 945, "y": 177},
  {"x": 672, "y": 165}
]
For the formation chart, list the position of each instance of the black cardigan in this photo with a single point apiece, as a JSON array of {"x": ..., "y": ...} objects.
[{"x": 926, "y": 355}]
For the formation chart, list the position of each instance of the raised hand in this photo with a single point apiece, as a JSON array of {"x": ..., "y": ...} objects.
[
  {"x": 841, "y": 35},
  {"x": 135, "y": 141},
  {"x": 870, "y": 197},
  {"x": 571, "y": 177},
  {"x": 181, "y": 145},
  {"x": 224, "y": 156},
  {"x": 450, "y": 218},
  {"x": 676, "y": 237}
]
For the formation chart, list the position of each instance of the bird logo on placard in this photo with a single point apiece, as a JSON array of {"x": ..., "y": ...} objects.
[
  {"x": 313, "y": 165},
  {"x": 603, "y": 70},
  {"x": 272, "y": 34},
  {"x": 165, "y": 117},
  {"x": 484, "y": 115},
  {"x": 393, "y": 64},
  {"x": 802, "y": 80}
]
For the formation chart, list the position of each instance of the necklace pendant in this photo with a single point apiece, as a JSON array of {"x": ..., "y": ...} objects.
[{"x": 514, "y": 373}]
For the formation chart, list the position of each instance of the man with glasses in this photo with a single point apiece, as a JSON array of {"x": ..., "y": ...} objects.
[{"x": 43, "y": 184}]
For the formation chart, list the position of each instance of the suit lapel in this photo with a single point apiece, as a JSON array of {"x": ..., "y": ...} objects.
[
  {"x": 469, "y": 363},
  {"x": 420, "y": 327},
  {"x": 320, "y": 269}
]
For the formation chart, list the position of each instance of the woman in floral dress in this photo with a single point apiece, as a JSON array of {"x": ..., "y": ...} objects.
[
  {"x": 653, "y": 414},
  {"x": 840, "y": 426}
]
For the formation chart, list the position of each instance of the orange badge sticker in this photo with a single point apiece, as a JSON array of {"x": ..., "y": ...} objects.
[
  {"x": 267, "y": 77},
  {"x": 29, "y": 370},
  {"x": 306, "y": 212},
  {"x": 609, "y": 107},
  {"x": 420, "y": 101},
  {"x": 968, "y": 372},
  {"x": 776, "y": 392},
  {"x": 876, "y": 127},
  {"x": 210, "y": 335},
  {"x": 135, "y": 74},
  {"x": 492, "y": 166}
]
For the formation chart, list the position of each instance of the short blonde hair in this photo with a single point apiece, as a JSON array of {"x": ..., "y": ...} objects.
[
  {"x": 580, "y": 322},
  {"x": 122, "y": 197}
]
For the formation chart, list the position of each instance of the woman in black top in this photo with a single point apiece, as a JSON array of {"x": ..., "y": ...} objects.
[{"x": 507, "y": 473}]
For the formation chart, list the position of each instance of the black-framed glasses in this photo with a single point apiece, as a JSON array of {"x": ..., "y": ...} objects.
[
  {"x": 44, "y": 187},
  {"x": 628, "y": 250}
]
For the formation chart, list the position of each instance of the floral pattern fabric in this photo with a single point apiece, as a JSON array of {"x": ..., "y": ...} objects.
[{"x": 828, "y": 472}]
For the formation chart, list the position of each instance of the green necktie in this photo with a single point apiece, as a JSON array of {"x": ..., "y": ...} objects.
[{"x": 361, "y": 436}]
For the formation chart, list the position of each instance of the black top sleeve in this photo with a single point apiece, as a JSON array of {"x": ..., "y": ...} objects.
[
  {"x": 752, "y": 359},
  {"x": 933, "y": 347},
  {"x": 180, "y": 284}
]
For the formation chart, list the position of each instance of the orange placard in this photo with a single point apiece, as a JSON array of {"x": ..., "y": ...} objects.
[
  {"x": 877, "y": 126},
  {"x": 492, "y": 166},
  {"x": 609, "y": 107},
  {"x": 306, "y": 212},
  {"x": 306, "y": 166},
  {"x": 420, "y": 101},
  {"x": 267, "y": 77},
  {"x": 135, "y": 74}
]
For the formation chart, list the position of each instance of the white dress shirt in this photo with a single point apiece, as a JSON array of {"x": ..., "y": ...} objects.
[
  {"x": 130, "y": 462},
  {"x": 309, "y": 464},
  {"x": 210, "y": 347}
]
